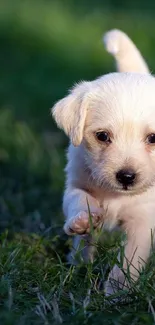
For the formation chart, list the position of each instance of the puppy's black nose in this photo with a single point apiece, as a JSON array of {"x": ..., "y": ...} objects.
[{"x": 126, "y": 177}]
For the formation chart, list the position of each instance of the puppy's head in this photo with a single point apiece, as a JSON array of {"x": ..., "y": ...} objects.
[{"x": 113, "y": 118}]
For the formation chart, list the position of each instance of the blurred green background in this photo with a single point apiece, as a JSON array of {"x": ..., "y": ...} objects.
[{"x": 46, "y": 47}]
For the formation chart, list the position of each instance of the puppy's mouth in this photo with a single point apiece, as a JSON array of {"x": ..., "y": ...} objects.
[
  {"x": 132, "y": 190},
  {"x": 126, "y": 188},
  {"x": 116, "y": 188}
]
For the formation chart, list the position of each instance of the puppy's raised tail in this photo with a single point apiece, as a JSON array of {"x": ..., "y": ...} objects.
[{"x": 128, "y": 58}]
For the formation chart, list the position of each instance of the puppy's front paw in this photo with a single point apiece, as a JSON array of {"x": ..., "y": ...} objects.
[{"x": 80, "y": 224}]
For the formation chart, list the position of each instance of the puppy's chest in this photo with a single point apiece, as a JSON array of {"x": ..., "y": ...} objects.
[
  {"x": 118, "y": 208},
  {"x": 112, "y": 210},
  {"x": 115, "y": 206}
]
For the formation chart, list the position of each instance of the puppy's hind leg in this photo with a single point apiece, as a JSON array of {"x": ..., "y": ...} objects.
[{"x": 83, "y": 250}]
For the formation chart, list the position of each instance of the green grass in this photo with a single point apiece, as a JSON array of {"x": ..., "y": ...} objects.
[
  {"x": 38, "y": 287},
  {"x": 47, "y": 46}
]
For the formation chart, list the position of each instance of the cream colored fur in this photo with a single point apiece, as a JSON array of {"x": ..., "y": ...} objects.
[
  {"x": 127, "y": 56},
  {"x": 122, "y": 104}
]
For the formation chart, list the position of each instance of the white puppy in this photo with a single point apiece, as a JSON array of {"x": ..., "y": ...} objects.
[{"x": 111, "y": 158}]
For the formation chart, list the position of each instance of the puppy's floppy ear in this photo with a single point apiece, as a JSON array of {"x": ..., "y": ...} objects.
[{"x": 70, "y": 112}]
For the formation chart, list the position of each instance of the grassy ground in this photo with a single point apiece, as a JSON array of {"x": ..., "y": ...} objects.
[
  {"x": 45, "y": 48},
  {"x": 38, "y": 287}
]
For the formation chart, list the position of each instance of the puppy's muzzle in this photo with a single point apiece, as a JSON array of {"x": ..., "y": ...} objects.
[{"x": 126, "y": 177}]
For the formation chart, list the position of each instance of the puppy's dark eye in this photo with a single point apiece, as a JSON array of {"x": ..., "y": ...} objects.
[
  {"x": 103, "y": 136},
  {"x": 151, "y": 138}
]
